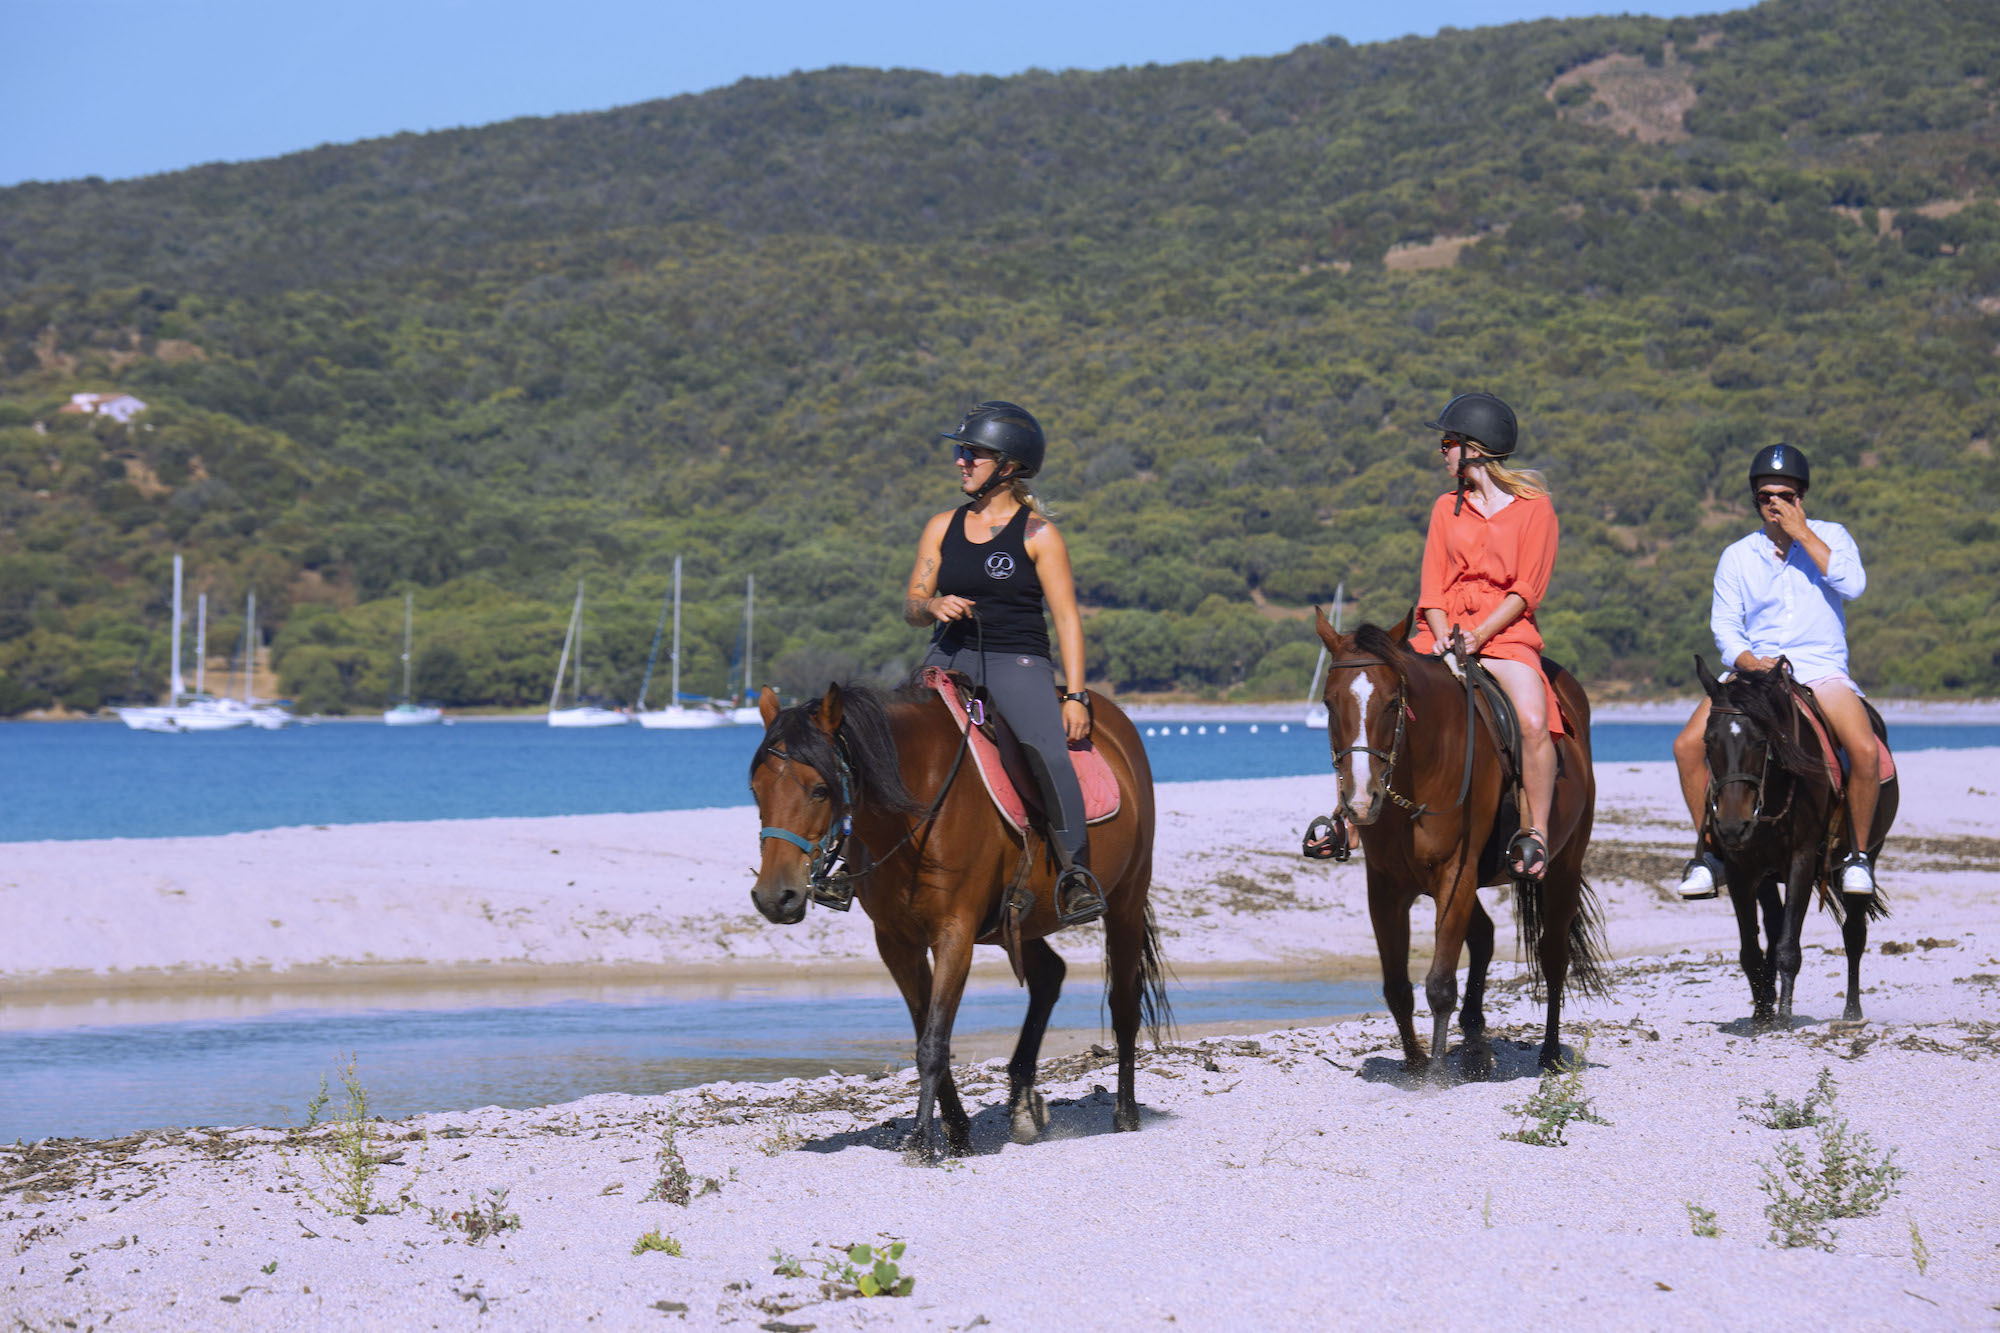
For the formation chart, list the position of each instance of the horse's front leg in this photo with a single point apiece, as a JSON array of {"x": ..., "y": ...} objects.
[
  {"x": 1456, "y": 902},
  {"x": 1744, "y": 895},
  {"x": 1800, "y": 881},
  {"x": 912, "y": 970},
  {"x": 1476, "y": 1056},
  {"x": 1389, "y": 911},
  {"x": 1027, "y": 1111},
  {"x": 951, "y": 956},
  {"x": 1854, "y": 935}
]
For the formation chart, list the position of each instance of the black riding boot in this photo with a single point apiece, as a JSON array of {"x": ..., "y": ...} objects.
[{"x": 1079, "y": 897}]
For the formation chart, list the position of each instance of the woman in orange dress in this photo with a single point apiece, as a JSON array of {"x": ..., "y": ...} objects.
[{"x": 1487, "y": 560}]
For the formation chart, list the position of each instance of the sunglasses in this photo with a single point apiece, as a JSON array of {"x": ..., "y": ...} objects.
[
  {"x": 1451, "y": 442},
  {"x": 965, "y": 453},
  {"x": 1765, "y": 497}
]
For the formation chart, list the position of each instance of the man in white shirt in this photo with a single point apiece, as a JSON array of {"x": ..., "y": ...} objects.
[{"x": 1779, "y": 593}]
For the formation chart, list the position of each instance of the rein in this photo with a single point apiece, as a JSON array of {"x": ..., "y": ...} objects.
[{"x": 1403, "y": 715}]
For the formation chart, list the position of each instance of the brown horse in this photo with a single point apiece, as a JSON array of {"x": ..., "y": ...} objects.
[
  {"x": 885, "y": 785},
  {"x": 1426, "y": 803}
]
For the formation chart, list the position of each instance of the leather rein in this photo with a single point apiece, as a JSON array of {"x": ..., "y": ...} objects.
[{"x": 1404, "y": 714}]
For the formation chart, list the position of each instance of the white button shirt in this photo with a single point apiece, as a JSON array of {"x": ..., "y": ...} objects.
[{"x": 1785, "y": 607}]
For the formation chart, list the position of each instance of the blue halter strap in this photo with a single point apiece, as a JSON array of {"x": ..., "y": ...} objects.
[{"x": 830, "y": 885}]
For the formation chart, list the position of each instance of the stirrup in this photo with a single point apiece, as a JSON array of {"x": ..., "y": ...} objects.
[
  {"x": 1528, "y": 846},
  {"x": 1857, "y": 886},
  {"x": 1705, "y": 864},
  {"x": 1333, "y": 831},
  {"x": 1079, "y": 897},
  {"x": 835, "y": 891}
]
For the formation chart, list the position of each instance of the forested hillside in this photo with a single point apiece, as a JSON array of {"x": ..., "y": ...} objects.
[{"x": 483, "y": 364}]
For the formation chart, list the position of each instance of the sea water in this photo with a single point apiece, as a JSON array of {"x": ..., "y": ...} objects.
[{"x": 101, "y": 780}]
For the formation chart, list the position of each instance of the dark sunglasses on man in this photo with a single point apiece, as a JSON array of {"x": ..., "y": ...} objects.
[{"x": 1766, "y": 497}]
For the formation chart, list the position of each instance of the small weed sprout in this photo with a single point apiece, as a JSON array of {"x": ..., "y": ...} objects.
[
  {"x": 1920, "y": 1253},
  {"x": 655, "y": 1243},
  {"x": 786, "y": 1265},
  {"x": 869, "y": 1271},
  {"x": 347, "y": 1155},
  {"x": 782, "y": 1139},
  {"x": 272, "y": 1267},
  {"x": 1701, "y": 1221},
  {"x": 675, "y": 1185},
  {"x": 1558, "y": 1102},
  {"x": 479, "y": 1221},
  {"x": 1772, "y": 1113},
  {"x": 1850, "y": 1179}
]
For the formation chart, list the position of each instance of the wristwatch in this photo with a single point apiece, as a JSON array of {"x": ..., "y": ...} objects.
[{"x": 1080, "y": 697}]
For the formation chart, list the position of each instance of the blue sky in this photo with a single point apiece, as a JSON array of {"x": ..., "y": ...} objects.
[{"x": 119, "y": 88}]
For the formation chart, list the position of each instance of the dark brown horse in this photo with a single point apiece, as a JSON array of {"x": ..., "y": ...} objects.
[
  {"x": 1776, "y": 820},
  {"x": 1426, "y": 805},
  {"x": 932, "y": 864}
]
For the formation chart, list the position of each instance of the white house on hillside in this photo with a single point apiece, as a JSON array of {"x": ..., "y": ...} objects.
[{"x": 119, "y": 407}]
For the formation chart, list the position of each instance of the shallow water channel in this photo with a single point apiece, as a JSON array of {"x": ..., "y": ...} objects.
[{"x": 107, "y": 1067}]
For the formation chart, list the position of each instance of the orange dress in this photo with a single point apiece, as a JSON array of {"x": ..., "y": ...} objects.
[{"x": 1471, "y": 563}]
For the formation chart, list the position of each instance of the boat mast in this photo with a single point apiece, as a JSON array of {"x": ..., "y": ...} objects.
[
  {"x": 646, "y": 681},
  {"x": 200, "y": 639},
  {"x": 674, "y": 700},
  {"x": 408, "y": 600},
  {"x": 174, "y": 682},
  {"x": 749, "y": 622},
  {"x": 569, "y": 634},
  {"x": 1319, "y": 667},
  {"x": 579, "y": 643},
  {"x": 249, "y": 644}
]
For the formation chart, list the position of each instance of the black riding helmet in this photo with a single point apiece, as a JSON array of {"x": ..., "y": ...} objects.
[
  {"x": 1781, "y": 460},
  {"x": 1487, "y": 422},
  {"x": 1006, "y": 429}
]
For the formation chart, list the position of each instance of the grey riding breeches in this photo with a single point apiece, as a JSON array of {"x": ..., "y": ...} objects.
[{"x": 1024, "y": 690}]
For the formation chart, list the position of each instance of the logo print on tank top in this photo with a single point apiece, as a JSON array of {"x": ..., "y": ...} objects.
[{"x": 999, "y": 565}]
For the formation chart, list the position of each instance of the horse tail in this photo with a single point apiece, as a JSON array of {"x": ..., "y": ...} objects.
[
  {"x": 1156, "y": 1012},
  {"x": 1588, "y": 949}
]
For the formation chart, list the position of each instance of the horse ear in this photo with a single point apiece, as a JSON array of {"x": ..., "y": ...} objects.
[
  {"x": 1709, "y": 683},
  {"x": 767, "y": 705},
  {"x": 829, "y": 710},
  {"x": 1401, "y": 631},
  {"x": 1324, "y": 628}
]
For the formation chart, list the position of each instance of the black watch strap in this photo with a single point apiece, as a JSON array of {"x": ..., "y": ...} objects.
[{"x": 1080, "y": 697}]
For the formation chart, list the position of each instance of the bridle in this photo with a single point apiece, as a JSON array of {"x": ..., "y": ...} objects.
[
  {"x": 1756, "y": 781},
  {"x": 1404, "y": 716}
]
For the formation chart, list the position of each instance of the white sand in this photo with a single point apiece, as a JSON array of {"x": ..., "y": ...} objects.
[{"x": 1299, "y": 1181}]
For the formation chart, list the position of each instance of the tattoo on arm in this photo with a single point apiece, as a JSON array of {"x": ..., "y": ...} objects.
[{"x": 1035, "y": 525}]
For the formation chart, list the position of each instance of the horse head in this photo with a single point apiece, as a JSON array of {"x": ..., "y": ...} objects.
[
  {"x": 820, "y": 764},
  {"x": 1364, "y": 711},
  {"x": 1751, "y": 748}
]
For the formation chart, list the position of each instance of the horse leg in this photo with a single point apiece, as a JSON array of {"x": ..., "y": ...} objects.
[
  {"x": 1454, "y": 918},
  {"x": 1562, "y": 899},
  {"x": 1390, "y": 914},
  {"x": 1854, "y": 936},
  {"x": 1026, "y": 1108},
  {"x": 1124, "y": 962},
  {"x": 1476, "y": 1057},
  {"x": 1743, "y": 900},
  {"x": 912, "y": 971},
  {"x": 1800, "y": 882}
]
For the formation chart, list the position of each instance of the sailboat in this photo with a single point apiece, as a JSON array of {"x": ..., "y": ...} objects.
[
  {"x": 579, "y": 714},
  {"x": 1315, "y": 705},
  {"x": 407, "y": 713},
  {"x": 198, "y": 713},
  {"x": 267, "y": 716},
  {"x": 748, "y": 714},
  {"x": 673, "y": 716}
]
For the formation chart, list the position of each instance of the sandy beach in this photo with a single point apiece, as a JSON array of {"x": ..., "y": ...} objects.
[{"x": 1294, "y": 1176}]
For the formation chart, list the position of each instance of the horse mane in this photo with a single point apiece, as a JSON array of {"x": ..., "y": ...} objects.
[
  {"x": 1765, "y": 698},
  {"x": 1371, "y": 638},
  {"x": 866, "y": 739}
]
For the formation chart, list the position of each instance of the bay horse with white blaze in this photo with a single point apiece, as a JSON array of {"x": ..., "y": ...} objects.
[
  {"x": 881, "y": 785},
  {"x": 1778, "y": 820},
  {"x": 1407, "y": 740}
]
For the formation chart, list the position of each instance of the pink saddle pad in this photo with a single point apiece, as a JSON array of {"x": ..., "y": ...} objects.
[
  {"x": 1835, "y": 770},
  {"x": 1093, "y": 773}
]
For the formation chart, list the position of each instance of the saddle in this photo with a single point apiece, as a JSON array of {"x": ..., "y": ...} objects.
[
  {"x": 1504, "y": 724},
  {"x": 1836, "y": 758},
  {"x": 1002, "y": 765}
]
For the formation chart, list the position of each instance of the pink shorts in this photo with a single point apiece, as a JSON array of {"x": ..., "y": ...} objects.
[{"x": 1838, "y": 678}]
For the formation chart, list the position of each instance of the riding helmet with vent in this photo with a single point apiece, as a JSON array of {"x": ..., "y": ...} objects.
[
  {"x": 1481, "y": 418},
  {"x": 1005, "y": 429},
  {"x": 1781, "y": 460}
]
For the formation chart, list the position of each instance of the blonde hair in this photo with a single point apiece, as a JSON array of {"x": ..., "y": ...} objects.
[
  {"x": 1018, "y": 488},
  {"x": 1523, "y": 483}
]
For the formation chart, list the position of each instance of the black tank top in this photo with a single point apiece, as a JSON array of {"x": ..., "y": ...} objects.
[{"x": 1000, "y": 577}]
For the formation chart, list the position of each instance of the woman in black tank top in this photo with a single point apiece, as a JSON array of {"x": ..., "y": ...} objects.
[{"x": 998, "y": 556}]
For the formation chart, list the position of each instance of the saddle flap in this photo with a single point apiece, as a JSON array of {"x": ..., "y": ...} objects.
[{"x": 1830, "y": 751}]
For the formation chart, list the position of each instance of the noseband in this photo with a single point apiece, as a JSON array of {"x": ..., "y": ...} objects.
[
  {"x": 1756, "y": 781},
  {"x": 827, "y": 877},
  {"x": 1404, "y": 715}
]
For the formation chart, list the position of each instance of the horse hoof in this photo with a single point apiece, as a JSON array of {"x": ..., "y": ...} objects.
[
  {"x": 1551, "y": 1058},
  {"x": 1851, "y": 1014},
  {"x": 1476, "y": 1061},
  {"x": 921, "y": 1149},
  {"x": 1125, "y": 1120},
  {"x": 1029, "y": 1117}
]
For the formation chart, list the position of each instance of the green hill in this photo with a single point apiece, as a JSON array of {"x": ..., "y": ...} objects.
[{"x": 486, "y": 363}]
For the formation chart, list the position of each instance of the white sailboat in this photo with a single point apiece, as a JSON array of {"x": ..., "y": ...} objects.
[
  {"x": 579, "y": 714},
  {"x": 748, "y": 714},
  {"x": 176, "y": 717},
  {"x": 673, "y": 717},
  {"x": 408, "y": 713},
  {"x": 265, "y": 716},
  {"x": 1316, "y": 715}
]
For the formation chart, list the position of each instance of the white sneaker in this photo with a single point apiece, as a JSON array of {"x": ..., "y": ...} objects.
[
  {"x": 1857, "y": 877},
  {"x": 1700, "y": 879}
]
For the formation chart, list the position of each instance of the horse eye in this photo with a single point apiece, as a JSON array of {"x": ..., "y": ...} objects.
[{"x": 819, "y": 792}]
